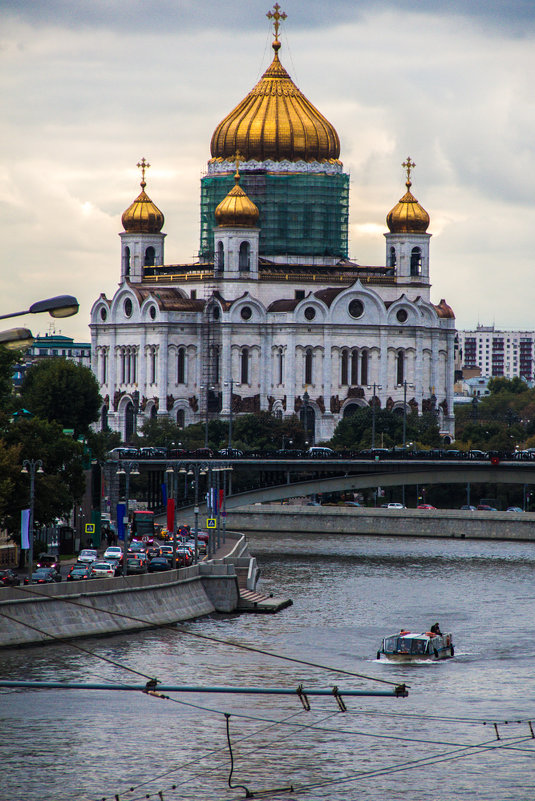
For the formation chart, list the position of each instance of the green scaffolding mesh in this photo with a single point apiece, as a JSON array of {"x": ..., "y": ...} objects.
[{"x": 303, "y": 214}]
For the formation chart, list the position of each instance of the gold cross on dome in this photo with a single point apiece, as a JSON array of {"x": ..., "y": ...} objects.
[
  {"x": 408, "y": 165},
  {"x": 143, "y": 165},
  {"x": 237, "y": 158},
  {"x": 275, "y": 15}
]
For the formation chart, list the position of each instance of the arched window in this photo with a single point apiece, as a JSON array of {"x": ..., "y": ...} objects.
[
  {"x": 343, "y": 368},
  {"x": 127, "y": 261},
  {"x": 181, "y": 366},
  {"x": 400, "y": 367},
  {"x": 150, "y": 255},
  {"x": 280, "y": 364},
  {"x": 152, "y": 365},
  {"x": 392, "y": 257},
  {"x": 103, "y": 366},
  {"x": 216, "y": 362},
  {"x": 416, "y": 261},
  {"x": 245, "y": 257},
  {"x": 104, "y": 418},
  {"x": 308, "y": 366},
  {"x": 364, "y": 367},
  {"x": 220, "y": 258},
  {"x": 122, "y": 357},
  {"x": 180, "y": 418},
  {"x": 128, "y": 422},
  {"x": 153, "y": 412},
  {"x": 354, "y": 368},
  {"x": 244, "y": 365}
]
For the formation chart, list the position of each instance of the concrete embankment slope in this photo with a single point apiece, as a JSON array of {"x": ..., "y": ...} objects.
[
  {"x": 37, "y": 613},
  {"x": 384, "y": 522}
]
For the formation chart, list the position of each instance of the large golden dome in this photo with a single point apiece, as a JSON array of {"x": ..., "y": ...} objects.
[
  {"x": 236, "y": 209},
  {"x": 407, "y": 216},
  {"x": 143, "y": 216},
  {"x": 276, "y": 121}
]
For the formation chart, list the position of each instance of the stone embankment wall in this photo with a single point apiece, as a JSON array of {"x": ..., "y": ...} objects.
[
  {"x": 384, "y": 522},
  {"x": 37, "y": 613}
]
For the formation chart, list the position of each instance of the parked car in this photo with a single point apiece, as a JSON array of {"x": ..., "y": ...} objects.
[
  {"x": 122, "y": 453},
  {"x": 87, "y": 556},
  {"x": 484, "y": 507},
  {"x": 102, "y": 570},
  {"x": 232, "y": 453},
  {"x": 158, "y": 565},
  {"x": 425, "y": 506},
  {"x": 514, "y": 509},
  {"x": 395, "y": 506},
  {"x": 8, "y": 578},
  {"x": 468, "y": 508},
  {"x": 44, "y": 575},
  {"x": 79, "y": 572}
]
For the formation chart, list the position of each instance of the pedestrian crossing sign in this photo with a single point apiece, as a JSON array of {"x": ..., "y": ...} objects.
[
  {"x": 89, "y": 528},
  {"x": 211, "y": 522}
]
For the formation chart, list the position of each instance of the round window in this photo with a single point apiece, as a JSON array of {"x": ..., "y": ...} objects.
[
  {"x": 103, "y": 314},
  {"x": 356, "y": 309},
  {"x": 152, "y": 312},
  {"x": 310, "y": 313},
  {"x": 402, "y": 316},
  {"x": 128, "y": 307},
  {"x": 246, "y": 313}
]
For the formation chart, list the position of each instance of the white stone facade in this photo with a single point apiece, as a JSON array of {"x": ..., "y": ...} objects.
[{"x": 173, "y": 339}]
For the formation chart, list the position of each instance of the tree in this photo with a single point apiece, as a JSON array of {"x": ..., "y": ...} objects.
[
  {"x": 64, "y": 392},
  {"x": 57, "y": 489}
]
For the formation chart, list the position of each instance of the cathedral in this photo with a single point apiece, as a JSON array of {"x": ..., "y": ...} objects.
[{"x": 273, "y": 315}]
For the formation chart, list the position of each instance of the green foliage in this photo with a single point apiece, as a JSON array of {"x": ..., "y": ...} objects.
[
  {"x": 57, "y": 489},
  {"x": 514, "y": 386},
  {"x": 355, "y": 432},
  {"x": 8, "y": 359},
  {"x": 64, "y": 392},
  {"x": 100, "y": 442},
  {"x": 503, "y": 420}
]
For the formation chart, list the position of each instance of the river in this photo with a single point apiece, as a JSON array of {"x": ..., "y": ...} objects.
[{"x": 348, "y": 593}]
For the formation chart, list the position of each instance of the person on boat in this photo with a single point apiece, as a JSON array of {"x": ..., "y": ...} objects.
[{"x": 436, "y": 629}]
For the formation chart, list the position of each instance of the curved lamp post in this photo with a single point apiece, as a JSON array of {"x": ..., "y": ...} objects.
[
  {"x": 58, "y": 306},
  {"x": 127, "y": 469},
  {"x": 31, "y": 466}
]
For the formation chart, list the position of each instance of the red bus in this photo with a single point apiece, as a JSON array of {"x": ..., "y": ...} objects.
[{"x": 143, "y": 526}]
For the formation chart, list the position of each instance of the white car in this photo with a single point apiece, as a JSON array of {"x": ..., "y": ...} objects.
[
  {"x": 102, "y": 570},
  {"x": 395, "y": 506},
  {"x": 87, "y": 556},
  {"x": 113, "y": 552}
]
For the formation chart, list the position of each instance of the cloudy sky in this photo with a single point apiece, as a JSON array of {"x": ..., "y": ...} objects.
[{"x": 89, "y": 87}]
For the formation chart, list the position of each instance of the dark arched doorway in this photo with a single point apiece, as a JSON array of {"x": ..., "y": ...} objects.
[{"x": 129, "y": 422}]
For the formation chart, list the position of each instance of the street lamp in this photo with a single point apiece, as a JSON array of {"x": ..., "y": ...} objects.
[
  {"x": 59, "y": 306},
  {"x": 230, "y": 384},
  {"x": 195, "y": 470},
  {"x": 375, "y": 387},
  {"x": 306, "y": 398},
  {"x": 31, "y": 466},
  {"x": 127, "y": 469},
  {"x": 15, "y": 338},
  {"x": 405, "y": 384}
]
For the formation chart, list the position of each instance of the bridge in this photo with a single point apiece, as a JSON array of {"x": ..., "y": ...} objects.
[{"x": 264, "y": 480}]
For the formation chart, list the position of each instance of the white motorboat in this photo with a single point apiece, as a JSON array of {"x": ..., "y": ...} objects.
[{"x": 408, "y": 646}]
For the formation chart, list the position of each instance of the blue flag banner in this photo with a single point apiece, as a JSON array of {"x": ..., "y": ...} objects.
[
  {"x": 121, "y": 513},
  {"x": 164, "y": 494},
  {"x": 25, "y": 529}
]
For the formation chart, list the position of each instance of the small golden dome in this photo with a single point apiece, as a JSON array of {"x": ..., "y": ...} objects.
[
  {"x": 143, "y": 216},
  {"x": 276, "y": 121},
  {"x": 407, "y": 216},
  {"x": 236, "y": 210}
]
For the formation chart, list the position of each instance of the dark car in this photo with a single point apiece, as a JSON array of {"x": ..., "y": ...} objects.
[
  {"x": 136, "y": 566},
  {"x": 49, "y": 560},
  {"x": 8, "y": 578},
  {"x": 44, "y": 575},
  {"x": 79, "y": 572},
  {"x": 158, "y": 564}
]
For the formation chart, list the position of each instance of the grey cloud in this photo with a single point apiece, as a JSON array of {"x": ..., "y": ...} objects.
[{"x": 178, "y": 15}]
